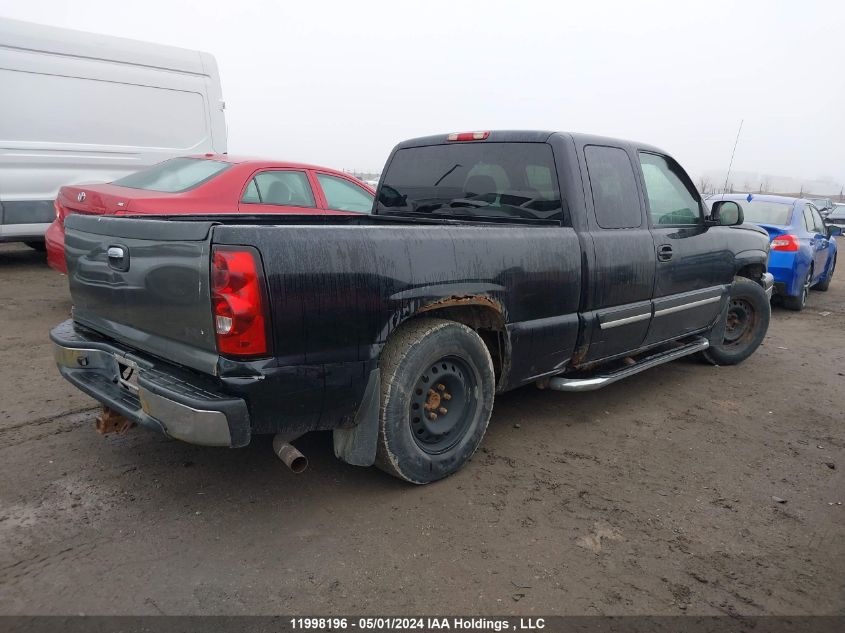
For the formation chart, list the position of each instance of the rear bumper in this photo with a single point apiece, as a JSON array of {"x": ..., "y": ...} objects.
[
  {"x": 785, "y": 268},
  {"x": 55, "y": 239},
  {"x": 179, "y": 403},
  {"x": 22, "y": 232}
]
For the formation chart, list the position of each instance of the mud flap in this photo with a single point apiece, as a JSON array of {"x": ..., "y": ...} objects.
[
  {"x": 717, "y": 332},
  {"x": 356, "y": 445}
]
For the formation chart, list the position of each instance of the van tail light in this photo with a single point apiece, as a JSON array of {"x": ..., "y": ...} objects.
[
  {"x": 237, "y": 299},
  {"x": 785, "y": 243}
]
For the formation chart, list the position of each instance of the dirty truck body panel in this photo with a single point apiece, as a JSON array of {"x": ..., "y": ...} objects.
[{"x": 586, "y": 271}]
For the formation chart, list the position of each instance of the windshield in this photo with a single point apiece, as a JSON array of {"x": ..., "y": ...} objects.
[
  {"x": 174, "y": 175},
  {"x": 763, "y": 212},
  {"x": 473, "y": 180}
]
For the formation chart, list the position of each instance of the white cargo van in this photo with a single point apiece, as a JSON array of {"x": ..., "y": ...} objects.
[{"x": 77, "y": 108}]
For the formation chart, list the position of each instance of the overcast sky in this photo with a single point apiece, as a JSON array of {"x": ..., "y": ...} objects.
[{"x": 339, "y": 83}]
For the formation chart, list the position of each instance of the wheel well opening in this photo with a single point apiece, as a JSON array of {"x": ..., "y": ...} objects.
[
  {"x": 752, "y": 271},
  {"x": 488, "y": 322}
]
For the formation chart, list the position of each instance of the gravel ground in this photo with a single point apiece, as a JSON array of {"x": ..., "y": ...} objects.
[{"x": 653, "y": 496}]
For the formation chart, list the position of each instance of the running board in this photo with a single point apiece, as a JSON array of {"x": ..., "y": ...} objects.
[{"x": 560, "y": 383}]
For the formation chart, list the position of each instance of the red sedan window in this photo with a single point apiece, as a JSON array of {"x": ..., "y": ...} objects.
[
  {"x": 173, "y": 176},
  {"x": 282, "y": 187},
  {"x": 342, "y": 195}
]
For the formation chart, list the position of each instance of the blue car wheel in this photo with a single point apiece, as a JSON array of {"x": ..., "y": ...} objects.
[{"x": 798, "y": 302}]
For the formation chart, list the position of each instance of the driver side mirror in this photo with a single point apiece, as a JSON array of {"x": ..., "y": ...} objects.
[
  {"x": 726, "y": 213},
  {"x": 834, "y": 231}
]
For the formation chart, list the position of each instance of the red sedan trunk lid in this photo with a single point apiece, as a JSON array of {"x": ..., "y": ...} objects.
[{"x": 102, "y": 199}]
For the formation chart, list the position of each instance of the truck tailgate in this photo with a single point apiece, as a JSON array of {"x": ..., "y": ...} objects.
[{"x": 144, "y": 282}]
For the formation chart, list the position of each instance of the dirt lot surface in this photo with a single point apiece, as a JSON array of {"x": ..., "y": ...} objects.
[{"x": 653, "y": 496}]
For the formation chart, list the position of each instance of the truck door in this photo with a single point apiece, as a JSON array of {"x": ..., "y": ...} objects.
[
  {"x": 694, "y": 265},
  {"x": 618, "y": 305}
]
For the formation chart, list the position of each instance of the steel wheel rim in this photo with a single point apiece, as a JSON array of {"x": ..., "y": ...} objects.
[
  {"x": 741, "y": 322},
  {"x": 443, "y": 404}
]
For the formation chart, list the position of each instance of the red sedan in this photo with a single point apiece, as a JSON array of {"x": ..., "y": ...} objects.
[{"x": 212, "y": 183}]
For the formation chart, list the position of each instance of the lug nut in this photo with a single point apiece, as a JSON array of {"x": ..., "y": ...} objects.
[
  {"x": 441, "y": 387},
  {"x": 432, "y": 415},
  {"x": 446, "y": 396},
  {"x": 442, "y": 411}
]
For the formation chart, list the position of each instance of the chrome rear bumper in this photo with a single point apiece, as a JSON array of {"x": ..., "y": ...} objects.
[{"x": 178, "y": 403}]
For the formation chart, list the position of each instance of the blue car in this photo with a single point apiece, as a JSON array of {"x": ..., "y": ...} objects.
[{"x": 803, "y": 253}]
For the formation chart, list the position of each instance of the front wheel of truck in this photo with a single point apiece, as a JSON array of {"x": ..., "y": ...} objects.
[
  {"x": 747, "y": 321},
  {"x": 437, "y": 389}
]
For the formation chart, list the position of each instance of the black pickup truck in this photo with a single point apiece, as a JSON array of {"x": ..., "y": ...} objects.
[{"x": 491, "y": 260}]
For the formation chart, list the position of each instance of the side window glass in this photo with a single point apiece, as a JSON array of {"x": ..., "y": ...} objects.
[
  {"x": 342, "y": 195},
  {"x": 670, "y": 193},
  {"x": 251, "y": 193},
  {"x": 819, "y": 223},
  {"x": 614, "y": 187},
  {"x": 288, "y": 188},
  {"x": 808, "y": 219}
]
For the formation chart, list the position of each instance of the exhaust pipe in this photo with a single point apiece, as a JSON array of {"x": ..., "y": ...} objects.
[{"x": 292, "y": 458}]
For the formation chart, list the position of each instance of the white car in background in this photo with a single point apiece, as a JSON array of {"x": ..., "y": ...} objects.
[{"x": 79, "y": 108}]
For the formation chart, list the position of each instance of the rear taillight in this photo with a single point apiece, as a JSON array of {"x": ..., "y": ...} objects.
[
  {"x": 61, "y": 212},
  {"x": 785, "y": 243},
  {"x": 468, "y": 136},
  {"x": 238, "y": 302}
]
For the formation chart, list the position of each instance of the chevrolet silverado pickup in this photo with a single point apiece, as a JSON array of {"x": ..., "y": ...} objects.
[{"x": 491, "y": 260}]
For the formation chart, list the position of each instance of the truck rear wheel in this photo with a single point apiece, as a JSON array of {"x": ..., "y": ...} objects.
[
  {"x": 748, "y": 317},
  {"x": 437, "y": 389}
]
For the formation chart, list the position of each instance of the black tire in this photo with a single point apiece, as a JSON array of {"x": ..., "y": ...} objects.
[
  {"x": 37, "y": 246},
  {"x": 450, "y": 361},
  {"x": 797, "y": 303},
  {"x": 747, "y": 321},
  {"x": 824, "y": 285}
]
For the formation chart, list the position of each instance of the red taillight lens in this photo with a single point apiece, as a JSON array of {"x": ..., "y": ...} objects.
[
  {"x": 61, "y": 212},
  {"x": 468, "y": 136},
  {"x": 785, "y": 243},
  {"x": 238, "y": 302}
]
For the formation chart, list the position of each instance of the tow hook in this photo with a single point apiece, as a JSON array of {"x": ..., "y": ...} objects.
[
  {"x": 110, "y": 421},
  {"x": 288, "y": 453}
]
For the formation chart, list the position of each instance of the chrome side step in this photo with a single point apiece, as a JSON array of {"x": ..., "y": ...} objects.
[{"x": 559, "y": 383}]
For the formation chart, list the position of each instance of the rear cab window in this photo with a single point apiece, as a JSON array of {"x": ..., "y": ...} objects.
[
  {"x": 474, "y": 181},
  {"x": 616, "y": 198},
  {"x": 175, "y": 175}
]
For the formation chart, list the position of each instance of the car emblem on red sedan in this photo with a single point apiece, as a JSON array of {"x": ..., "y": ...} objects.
[{"x": 80, "y": 197}]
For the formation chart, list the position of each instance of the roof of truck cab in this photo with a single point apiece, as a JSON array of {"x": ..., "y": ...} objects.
[{"x": 528, "y": 136}]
